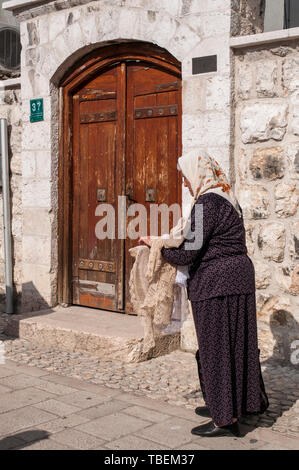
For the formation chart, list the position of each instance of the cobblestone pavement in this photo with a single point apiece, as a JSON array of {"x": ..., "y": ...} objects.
[{"x": 171, "y": 378}]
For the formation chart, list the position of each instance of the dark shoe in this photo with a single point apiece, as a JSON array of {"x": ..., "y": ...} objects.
[
  {"x": 210, "y": 430},
  {"x": 203, "y": 411}
]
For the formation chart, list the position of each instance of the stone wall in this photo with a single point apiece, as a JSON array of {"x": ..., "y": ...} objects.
[
  {"x": 247, "y": 17},
  {"x": 10, "y": 108},
  {"x": 266, "y": 157}
]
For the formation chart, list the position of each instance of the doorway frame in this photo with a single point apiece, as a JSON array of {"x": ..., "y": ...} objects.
[{"x": 82, "y": 70}]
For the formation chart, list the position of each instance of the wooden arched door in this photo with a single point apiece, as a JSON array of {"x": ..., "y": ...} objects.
[{"x": 125, "y": 140}]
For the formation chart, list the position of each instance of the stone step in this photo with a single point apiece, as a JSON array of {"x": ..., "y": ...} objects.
[{"x": 108, "y": 335}]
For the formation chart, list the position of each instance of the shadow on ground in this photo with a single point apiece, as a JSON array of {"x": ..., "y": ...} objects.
[{"x": 23, "y": 439}]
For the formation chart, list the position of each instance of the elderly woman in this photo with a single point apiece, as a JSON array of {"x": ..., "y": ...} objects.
[{"x": 221, "y": 288}]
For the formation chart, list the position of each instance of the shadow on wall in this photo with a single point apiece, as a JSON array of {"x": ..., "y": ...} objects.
[
  {"x": 285, "y": 331},
  {"x": 32, "y": 301}
]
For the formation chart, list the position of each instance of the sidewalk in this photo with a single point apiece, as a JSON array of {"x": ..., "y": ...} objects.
[{"x": 41, "y": 410}]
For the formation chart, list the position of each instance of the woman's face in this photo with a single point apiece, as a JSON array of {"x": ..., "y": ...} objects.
[{"x": 188, "y": 185}]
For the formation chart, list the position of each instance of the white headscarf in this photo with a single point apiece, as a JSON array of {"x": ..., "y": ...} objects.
[{"x": 205, "y": 175}]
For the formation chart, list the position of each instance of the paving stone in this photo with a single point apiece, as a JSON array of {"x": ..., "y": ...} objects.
[
  {"x": 80, "y": 385},
  {"x": 82, "y": 399},
  {"x": 171, "y": 433},
  {"x": 60, "y": 424},
  {"x": 21, "y": 368},
  {"x": 104, "y": 409},
  {"x": 277, "y": 438},
  {"x": 47, "y": 444},
  {"x": 5, "y": 372},
  {"x": 19, "y": 398},
  {"x": 191, "y": 446},
  {"x": 222, "y": 443},
  {"x": 133, "y": 442},
  {"x": 77, "y": 439},
  {"x": 22, "y": 418},
  {"x": 272, "y": 446},
  {"x": 147, "y": 414},
  {"x": 57, "y": 408},
  {"x": 160, "y": 406},
  {"x": 56, "y": 389},
  {"x": 4, "y": 389},
  {"x": 20, "y": 381},
  {"x": 113, "y": 426}
]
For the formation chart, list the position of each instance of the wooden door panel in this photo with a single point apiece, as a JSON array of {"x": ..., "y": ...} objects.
[
  {"x": 96, "y": 266},
  {"x": 153, "y": 140}
]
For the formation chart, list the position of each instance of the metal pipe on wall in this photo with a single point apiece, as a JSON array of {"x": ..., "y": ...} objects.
[{"x": 6, "y": 215}]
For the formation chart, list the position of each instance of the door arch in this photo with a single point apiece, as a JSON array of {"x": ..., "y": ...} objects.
[{"x": 120, "y": 133}]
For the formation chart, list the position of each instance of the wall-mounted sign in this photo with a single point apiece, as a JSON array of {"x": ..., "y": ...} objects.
[
  {"x": 204, "y": 64},
  {"x": 36, "y": 110}
]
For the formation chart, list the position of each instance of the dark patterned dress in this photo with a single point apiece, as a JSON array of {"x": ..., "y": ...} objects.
[{"x": 221, "y": 289}]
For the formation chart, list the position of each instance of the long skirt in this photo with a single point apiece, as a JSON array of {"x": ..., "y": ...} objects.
[{"x": 228, "y": 357}]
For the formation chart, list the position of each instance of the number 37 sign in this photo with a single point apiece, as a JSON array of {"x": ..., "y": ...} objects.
[{"x": 36, "y": 110}]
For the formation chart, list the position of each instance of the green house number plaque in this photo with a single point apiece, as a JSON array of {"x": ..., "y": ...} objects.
[{"x": 36, "y": 110}]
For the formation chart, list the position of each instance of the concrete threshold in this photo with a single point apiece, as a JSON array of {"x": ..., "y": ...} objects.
[{"x": 108, "y": 335}]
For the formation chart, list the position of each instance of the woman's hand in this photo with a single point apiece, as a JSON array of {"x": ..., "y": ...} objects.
[{"x": 145, "y": 241}]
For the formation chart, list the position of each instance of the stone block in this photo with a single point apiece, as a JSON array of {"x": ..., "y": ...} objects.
[
  {"x": 37, "y": 250},
  {"x": 266, "y": 78},
  {"x": 43, "y": 164},
  {"x": 36, "y": 221},
  {"x": 204, "y": 129},
  {"x": 290, "y": 73},
  {"x": 36, "y": 136},
  {"x": 254, "y": 201},
  {"x": 286, "y": 199},
  {"x": 244, "y": 79},
  {"x": 217, "y": 92},
  {"x": 56, "y": 25},
  {"x": 262, "y": 275},
  {"x": 215, "y": 24},
  {"x": 250, "y": 238},
  {"x": 267, "y": 163},
  {"x": 36, "y": 193},
  {"x": 288, "y": 278},
  {"x": 28, "y": 164},
  {"x": 272, "y": 241},
  {"x": 193, "y": 94},
  {"x": 263, "y": 121}
]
